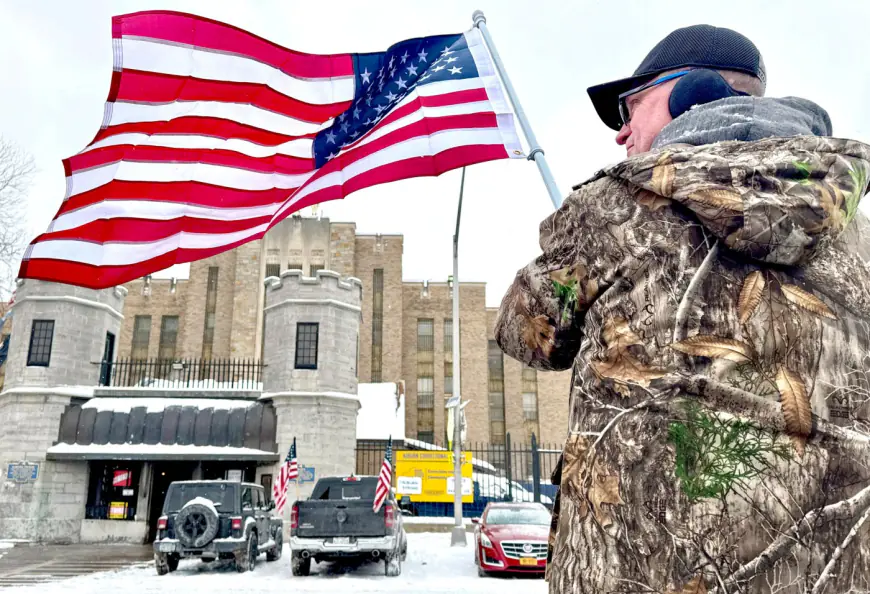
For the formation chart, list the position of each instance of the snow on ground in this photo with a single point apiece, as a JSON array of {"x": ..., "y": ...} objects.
[{"x": 432, "y": 567}]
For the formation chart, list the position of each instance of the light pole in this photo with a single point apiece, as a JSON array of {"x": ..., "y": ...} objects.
[{"x": 457, "y": 537}]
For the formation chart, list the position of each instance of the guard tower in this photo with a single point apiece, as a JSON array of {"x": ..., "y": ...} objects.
[
  {"x": 310, "y": 352},
  {"x": 60, "y": 335}
]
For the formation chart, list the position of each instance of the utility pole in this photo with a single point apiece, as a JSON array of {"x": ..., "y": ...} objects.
[{"x": 457, "y": 537}]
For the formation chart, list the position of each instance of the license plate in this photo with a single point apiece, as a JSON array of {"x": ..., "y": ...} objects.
[
  {"x": 166, "y": 547},
  {"x": 528, "y": 561},
  {"x": 343, "y": 540}
]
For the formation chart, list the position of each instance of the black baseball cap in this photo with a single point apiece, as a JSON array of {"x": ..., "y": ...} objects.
[{"x": 699, "y": 46}]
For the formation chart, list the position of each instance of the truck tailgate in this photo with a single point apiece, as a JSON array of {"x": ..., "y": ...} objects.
[{"x": 329, "y": 518}]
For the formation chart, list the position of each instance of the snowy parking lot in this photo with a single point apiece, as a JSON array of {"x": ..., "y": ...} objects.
[{"x": 432, "y": 567}]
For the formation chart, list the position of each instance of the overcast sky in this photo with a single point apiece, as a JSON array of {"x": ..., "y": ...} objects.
[{"x": 56, "y": 65}]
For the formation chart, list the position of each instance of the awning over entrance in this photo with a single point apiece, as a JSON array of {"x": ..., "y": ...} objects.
[{"x": 167, "y": 429}]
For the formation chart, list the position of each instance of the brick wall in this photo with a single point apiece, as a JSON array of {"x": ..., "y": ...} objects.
[
  {"x": 371, "y": 252},
  {"x": 438, "y": 305},
  {"x": 160, "y": 301},
  {"x": 247, "y": 300},
  {"x": 342, "y": 248}
]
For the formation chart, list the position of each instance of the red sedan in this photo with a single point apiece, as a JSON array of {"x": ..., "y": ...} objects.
[{"x": 511, "y": 537}]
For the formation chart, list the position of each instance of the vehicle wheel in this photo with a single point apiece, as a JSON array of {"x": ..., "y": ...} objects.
[
  {"x": 405, "y": 550},
  {"x": 161, "y": 563},
  {"x": 300, "y": 566},
  {"x": 172, "y": 561},
  {"x": 246, "y": 560},
  {"x": 481, "y": 572},
  {"x": 393, "y": 565},
  {"x": 275, "y": 553}
]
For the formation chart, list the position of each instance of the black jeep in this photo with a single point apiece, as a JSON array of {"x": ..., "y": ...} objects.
[{"x": 217, "y": 520}]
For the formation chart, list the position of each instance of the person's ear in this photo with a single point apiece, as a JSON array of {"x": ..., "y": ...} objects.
[{"x": 697, "y": 88}]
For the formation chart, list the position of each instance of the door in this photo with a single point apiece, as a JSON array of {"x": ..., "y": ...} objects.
[
  {"x": 262, "y": 516},
  {"x": 163, "y": 474},
  {"x": 108, "y": 357}
]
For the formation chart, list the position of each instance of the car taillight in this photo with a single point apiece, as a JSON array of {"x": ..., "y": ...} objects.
[
  {"x": 161, "y": 522},
  {"x": 388, "y": 516},
  {"x": 294, "y": 516},
  {"x": 236, "y": 523}
]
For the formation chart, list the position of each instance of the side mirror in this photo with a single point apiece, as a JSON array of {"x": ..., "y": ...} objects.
[{"x": 475, "y": 520}]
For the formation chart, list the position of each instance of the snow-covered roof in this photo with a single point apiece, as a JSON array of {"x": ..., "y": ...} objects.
[
  {"x": 142, "y": 451},
  {"x": 381, "y": 413},
  {"x": 160, "y": 404}
]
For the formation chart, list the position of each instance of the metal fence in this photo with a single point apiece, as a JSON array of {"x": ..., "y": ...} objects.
[
  {"x": 511, "y": 472},
  {"x": 206, "y": 374}
]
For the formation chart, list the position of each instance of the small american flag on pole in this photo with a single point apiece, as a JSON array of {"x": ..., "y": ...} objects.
[
  {"x": 289, "y": 471},
  {"x": 212, "y": 135},
  {"x": 385, "y": 478}
]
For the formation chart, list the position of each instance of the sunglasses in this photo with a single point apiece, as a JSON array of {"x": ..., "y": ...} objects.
[{"x": 623, "y": 104}]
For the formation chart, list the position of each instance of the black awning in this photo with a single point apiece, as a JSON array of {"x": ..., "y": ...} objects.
[{"x": 167, "y": 429}]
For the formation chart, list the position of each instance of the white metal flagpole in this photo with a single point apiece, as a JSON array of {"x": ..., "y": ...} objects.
[
  {"x": 536, "y": 153},
  {"x": 457, "y": 537}
]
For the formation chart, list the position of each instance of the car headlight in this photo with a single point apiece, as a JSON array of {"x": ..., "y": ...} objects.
[{"x": 484, "y": 540}]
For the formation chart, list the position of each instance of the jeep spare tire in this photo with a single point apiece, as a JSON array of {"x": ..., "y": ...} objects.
[{"x": 197, "y": 523}]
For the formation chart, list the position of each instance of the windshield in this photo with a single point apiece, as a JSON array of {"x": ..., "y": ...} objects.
[
  {"x": 222, "y": 495},
  {"x": 518, "y": 515}
]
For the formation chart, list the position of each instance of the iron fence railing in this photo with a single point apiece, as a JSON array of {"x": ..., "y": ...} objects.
[
  {"x": 206, "y": 374},
  {"x": 509, "y": 472}
]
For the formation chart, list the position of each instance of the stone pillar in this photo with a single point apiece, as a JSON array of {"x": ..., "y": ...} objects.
[
  {"x": 51, "y": 507},
  {"x": 316, "y": 406}
]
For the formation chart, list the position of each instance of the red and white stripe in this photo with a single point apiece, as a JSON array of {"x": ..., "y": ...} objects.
[
  {"x": 385, "y": 482},
  {"x": 206, "y": 144}
]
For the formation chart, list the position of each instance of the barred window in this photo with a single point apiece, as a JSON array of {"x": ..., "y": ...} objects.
[
  {"x": 273, "y": 270},
  {"x": 425, "y": 377},
  {"x": 210, "y": 312},
  {"x": 168, "y": 338},
  {"x": 314, "y": 268},
  {"x": 141, "y": 337},
  {"x": 306, "y": 345},
  {"x": 294, "y": 266},
  {"x": 41, "y": 336},
  {"x": 496, "y": 393},
  {"x": 377, "y": 324}
]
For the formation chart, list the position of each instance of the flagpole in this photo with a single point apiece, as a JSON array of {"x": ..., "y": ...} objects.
[
  {"x": 457, "y": 537},
  {"x": 536, "y": 153}
]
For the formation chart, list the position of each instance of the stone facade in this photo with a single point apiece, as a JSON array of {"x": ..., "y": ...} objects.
[
  {"x": 34, "y": 397},
  {"x": 318, "y": 407}
]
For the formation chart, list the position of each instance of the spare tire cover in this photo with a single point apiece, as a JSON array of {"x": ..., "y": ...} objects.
[{"x": 196, "y": 525}]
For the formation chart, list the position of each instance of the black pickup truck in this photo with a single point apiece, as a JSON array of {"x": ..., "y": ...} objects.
[{"x": 338, "y": 522}]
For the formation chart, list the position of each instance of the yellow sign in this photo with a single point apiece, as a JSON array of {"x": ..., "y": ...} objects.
[
  {"x": 427, "y": 476},
  {"x": 118, "y": 510}
]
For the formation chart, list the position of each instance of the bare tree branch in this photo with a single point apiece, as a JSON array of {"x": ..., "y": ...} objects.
[
  {"x": 16, "y": 170},
  {"x": 826, "y": 573}
]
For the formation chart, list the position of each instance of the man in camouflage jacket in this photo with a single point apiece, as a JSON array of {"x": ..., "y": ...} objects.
[{"x": 712, "y": 293}]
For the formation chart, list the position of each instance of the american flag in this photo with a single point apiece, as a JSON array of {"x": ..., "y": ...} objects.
[
  {"x": 385, "y": 478},
  {"x": 289, "y": 471},
  {"x": 212, "y": 135}
]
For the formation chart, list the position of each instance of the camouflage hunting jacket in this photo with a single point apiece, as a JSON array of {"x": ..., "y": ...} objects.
[{"x": 714, "y": 302}]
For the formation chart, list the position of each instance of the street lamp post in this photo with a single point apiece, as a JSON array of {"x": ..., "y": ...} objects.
[{"x": 457, "y": 537}]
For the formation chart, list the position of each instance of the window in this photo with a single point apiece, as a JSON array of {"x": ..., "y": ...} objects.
[
  {"x": 530, "y": 402},
  {"x": 273, "y": 270},
  {"x": 496, "y": 394},
  {"x": 168, "y": 338},
  {"x": 41, "y": 335},
  {"x": 315, "y": 267},
  {"x": 266, "y": 481},
  {"x": 247, "y": 498},
  {"x": 210, "y": 312},
  {"x": 306, "y": 345},
  {"x": 113, "y": 490},
  {"x": 425, "y": 378},
  {"x": 141, "y": 337},
  {"x": 294, "y": 266},
  {"x": 258, "y": 499},
  {"x": 448, "y": 356},
  {"x": 377, "y": 324}
]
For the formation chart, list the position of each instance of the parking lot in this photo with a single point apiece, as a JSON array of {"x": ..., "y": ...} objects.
[{"x": 432, "y": 567}]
